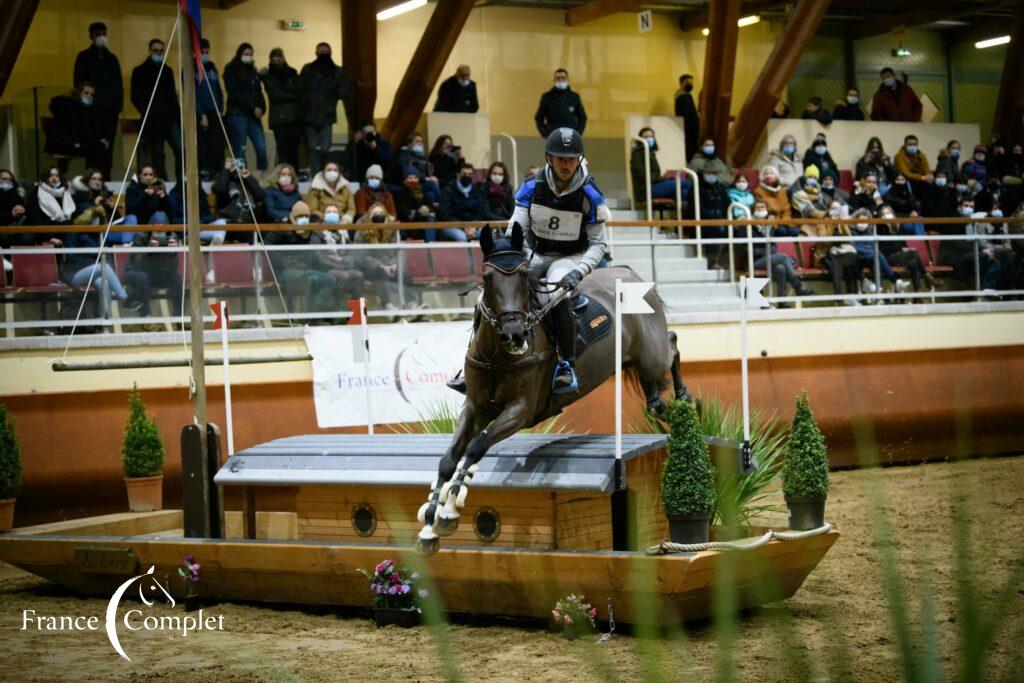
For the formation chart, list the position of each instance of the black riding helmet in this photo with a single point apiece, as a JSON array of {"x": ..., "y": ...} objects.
[{"x": 564, "y": 142}]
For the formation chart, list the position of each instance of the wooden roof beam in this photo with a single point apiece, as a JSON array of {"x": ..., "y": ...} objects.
[
  {"x": 359, "y": 57},
  {"x": 1009, "y": 119},
  {"x": 926, "y": 16},
  {"x": 15, "y": 20},
  {"x": 719, "y": 67},
  {"x": 598, "y": 9}
]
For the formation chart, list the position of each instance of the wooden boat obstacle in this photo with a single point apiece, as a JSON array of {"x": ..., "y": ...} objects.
[{"x": 550, "y": 515}]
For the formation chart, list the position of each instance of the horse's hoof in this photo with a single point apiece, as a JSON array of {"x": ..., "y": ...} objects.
[
  {"x": 658, "y": 408},
  {"x": 427, "y": 543},
  {"x": 444, "y": 526}
]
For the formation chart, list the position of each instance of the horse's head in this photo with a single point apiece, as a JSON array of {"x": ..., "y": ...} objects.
[{"x": 506, "y": 287}]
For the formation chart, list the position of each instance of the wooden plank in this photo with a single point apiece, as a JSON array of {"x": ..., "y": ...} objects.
[
  {"x": 359, "y": 57},
  {"x": 269, "y": 525},
  {"x": 598, "y": 9},
  {"x": 249, "y": 513},
  {"x": 889, "y": 23},
  {"x": 15, "y": 19},
  {"x": 118, "y": 524},
  {"x": 719, "y": 66}
]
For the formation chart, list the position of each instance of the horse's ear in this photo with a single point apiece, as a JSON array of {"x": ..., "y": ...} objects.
[
  {"x": 487, "y": 240},
  {"x": 517, "y": 236}
]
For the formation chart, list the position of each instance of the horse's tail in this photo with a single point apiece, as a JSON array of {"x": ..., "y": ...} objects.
[{"x": 631, "y": 379}]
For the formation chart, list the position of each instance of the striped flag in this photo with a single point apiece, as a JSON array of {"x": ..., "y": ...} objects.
[{"x": 190, "y": 9}]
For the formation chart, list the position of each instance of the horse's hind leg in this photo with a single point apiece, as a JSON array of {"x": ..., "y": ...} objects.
[{"x": 682, "y": 393}]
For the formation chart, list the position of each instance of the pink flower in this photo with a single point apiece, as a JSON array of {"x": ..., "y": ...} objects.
[
  {"x": 593, "y": 612},
  {"x": 568, "y": 619},
  {"x": 554, "y": 615},
  {"x": 382, "y": 567}
]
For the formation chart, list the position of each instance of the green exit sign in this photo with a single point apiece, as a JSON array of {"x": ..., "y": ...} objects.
[{"x": 292, "y": 25}]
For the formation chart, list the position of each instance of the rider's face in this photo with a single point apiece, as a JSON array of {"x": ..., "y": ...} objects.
[{"x": 564, "y": 167}]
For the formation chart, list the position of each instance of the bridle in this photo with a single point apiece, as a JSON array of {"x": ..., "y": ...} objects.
[{"x": 529, "y": 318}]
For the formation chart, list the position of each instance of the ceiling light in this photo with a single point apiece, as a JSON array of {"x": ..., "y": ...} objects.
[
  {"x": 400, "y": 8},
  {"x": 744, "y": 21},
  {"x": 992, "y": 42}
]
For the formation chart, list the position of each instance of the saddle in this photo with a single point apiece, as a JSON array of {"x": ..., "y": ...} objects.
[{"x": 593, "y": 323}]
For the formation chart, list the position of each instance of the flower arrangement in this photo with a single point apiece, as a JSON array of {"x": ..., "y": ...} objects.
[
  {"x": 189, "y": 572},
  {"x": 390, "y": 589},
  {"x": 573, "y": 613}
]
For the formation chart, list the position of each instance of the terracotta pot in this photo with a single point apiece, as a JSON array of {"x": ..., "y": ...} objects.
[
  {"x": 145, "y": 494},
  {"x": 6, "y": 515}
]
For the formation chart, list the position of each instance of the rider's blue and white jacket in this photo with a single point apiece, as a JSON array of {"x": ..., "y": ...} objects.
[{"x": 563, "y": 223}]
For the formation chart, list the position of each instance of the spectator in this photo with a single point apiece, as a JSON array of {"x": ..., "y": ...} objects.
[
  {"x": 445, "y": 158},
  {"x": 986, "y": 196},
  {"x": 773, "y": 194},
  {"x": 93, "y": 202},
  {"x": 80, "y": 270},
  {"x": 868, "y": 251},
  {"x": 282, "y": 194},
  {"x": 976, "y": 168},
  {"x": 373, "y": 191},
  {"x": 998, "y": 259},
  {"x": 894, "y": 100},
  {"x": 412, "y": 203},
  {"x": 839, "y": 259},
  {"x": 714, "y": 205},
  {"x": 912, "y": 163},
  {"x": 381, "y": 268},
  {"x": 814, "y": 110},
  {"x": 818, "y": 155},
  {"x": 785, "y": 160},
  {"x": 462, "y": 200},
  {"x": 686, "y": 109},
  {"x": 781, "y": 266},
  {"x": 50, "y": 201},
  {"x": 961, "y": 255},
  {"x": 74, "y": 129},
  {"x": 284, "y": 90},
  {"x": 662, "y": 187},
  {"x": 349, "y": 271},
  {"x": 560, "y": 107},
  {"x": 899, "y": 254},
  {"x": 246, "y": 105},
  {"x": 12, "y": 201},
  {"x": 830, "y": 192},
  {"x": 209, "y": 109},
  {"x": 145, "y": 196},
  {"x": 176, "y": 197},
  {"x": 148, "y": 271},
  {"x": 412, "y": 160},
  {"x": 901, "y": 199},
  {"x": 301, "y": 272},
  {"x": 705, "y": 161},
  {"x": 805, "y": 195},
  {"x": 99, "y": 66},
  {"x": 939, "y": 199},
  {"x": 457, "y": 93},
  {"x": 238, "y": 193},
  {"x": 1000, "y": 164},
  {"x": 368, "y": 148},
  {"x": 949, "y": 162},
  {"x": 740, "y": 193},
  {"x": 162, "y": 123},
  {"x": 876, "y": 161},
  {"x": 781, "y": 110},
  {"x": 850, "y": 110},
  {"x": 323, "y": 85},
  {"x": 330, "y": 187},
  {"x": 498, "y": 193}
]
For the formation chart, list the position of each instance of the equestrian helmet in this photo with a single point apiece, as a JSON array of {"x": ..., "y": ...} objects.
[{"x": 564, "y": 142}]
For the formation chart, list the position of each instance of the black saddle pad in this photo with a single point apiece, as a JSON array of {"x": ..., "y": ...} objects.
[{"x": 595, "y": 322}]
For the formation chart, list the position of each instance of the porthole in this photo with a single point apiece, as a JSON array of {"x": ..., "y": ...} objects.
[
  {"x": 364, "y": 520},
  {"x": 487, "y": 524}
]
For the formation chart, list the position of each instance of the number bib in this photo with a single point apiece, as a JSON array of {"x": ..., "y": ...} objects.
[{"x": 554, "y": 224}]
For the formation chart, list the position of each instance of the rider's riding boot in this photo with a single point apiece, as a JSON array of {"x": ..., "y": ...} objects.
[{"x": 565, "y": 336}]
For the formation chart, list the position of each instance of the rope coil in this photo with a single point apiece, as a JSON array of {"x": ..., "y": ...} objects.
[{"x": 666, "y": 547}]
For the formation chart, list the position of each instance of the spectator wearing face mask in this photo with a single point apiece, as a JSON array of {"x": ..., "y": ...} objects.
[
  {"x": 740, "y": 194},
  {"x": 771, "y": 191},
  {"x": 814, "y": 110},
  {"x": 912, "y": 163},
  {"x": 412, "y": 160},
  {"x": 866, "y": 253},
  {"x": 830, "y": 192},
  {"x": 850, "y": 109},
  {"x": 381, "y": 269},
  {"x": 99, "y": 66},
  {"x": 866, "y": 194},
  {"x": 939, "y": 200},
  {"x": 94, "y": 203},
  {"x": 781, "y": 266},
  {"x": 894, "y": 100},
  {"x": 284, "y": 91},
  {"x": 50, "y": 201},
  {"x": 209, "y": 107},
  {"x": 560, "y": 107},
  {"x": 457, "y": 93},
  {"x": 238, "y": 193},
  {"x": 74, "y": 130},
  {"x": 839, "y": 259},
  {"x": 714, "y": 204},
  {"x": 805, "y": 195},
  {"x": 949, "y": 162},
  {"x": 12, "y": 203},
  {"x": 786, "y": 161},
  {"x": 368, "y": 149},
  {"x": 445, "y": 158},
  {"x": 302, "y": 273},
  {"x": 329, "y": 186},
  {"x": 687, "y": 109},
  {"x": 877, "y": 162},
  {"x": 146, "y": 195},
  {"x": 373, "y": 191},
  {"x": 282, "y": 194},
  {"x": 498, "y": 193},
  {"x": 462, "y": 201},
  {"x": 661, "y": 186},
  {"x": 706, "y": 161},
  {"x": 902, "y": 200},
  {"x": 246, "y": 106},
  {"x": 961, "y": 255},
  {"x": 818, "y": 155},
  {"x": 324, "y": 84},
  {"x": 413, "y": 204},
  {"x": 163, "y": 125},
  {"x": 350, "y": 270},
  {"x": 899, "y": 254}
]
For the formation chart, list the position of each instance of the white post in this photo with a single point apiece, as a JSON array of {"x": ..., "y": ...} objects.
[
  {"x": 743, "y": 358},
  {"x": 618, "y": 369},
  {"x": 365, "y": 332},
  {"x": 227, "y": 376}
]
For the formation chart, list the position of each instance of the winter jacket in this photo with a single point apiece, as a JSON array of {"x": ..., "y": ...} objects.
[
  {"x": 457, "y": 205},
  {"x": 365, "y": 198},
  {"x": 807, "y": 202},
  {"x": 790, "y": 168},
  {"x": 99, "y": 66},
  {"x": 321, "y": 194},
  {"x": 638, "y": 172},
  {"x": 232, "y": 203},
  {"x": 35, "y": 213},
  {"x": 701, "y": 163},
  {"x": 948, "y": 165},
  {"x": 775, "y": 198},
  {"x": 939, "y": 202},
  {"x": 498, "y": 201},
  {"x": 848, "y": 112},
  {"x": 165, "y": 101},
  {"x": 558, "y": 109},
  {"x": 245, "y": 93},
  {"x": 898, "y": 103},
  {"x": 278, "y": 203},
  {"x": 913, "y": 166},
  {"x": 714, "y": 200},
  {"x": 85, "y": 196},
  {"x": 284, "y": 90},
  {"x": 976, "y": 170},
  {"x": 361, "y": 157},
  {"x": 141, "y": 205},
  {"x": 825, "y": 163},
  {"x": 836, "y": 193},
  {"x": 209, "y": 97},
  {"x": 408, "y": 207},
  {"x": 902, "y": 200},
  {"x": 880, "y": 167},
  {"x": 411, "y": 163},
  {"x": 452, "y": 97},
  {"x": 73, "y": 130},
  {"x": 685, "y": 108},
  {"x": 862, "y": 200},
  {"x": 744, "y": 197},
  {"x": 323, "y": 84},
  {"x": 821, "y": 116},
  {"x": 177, "y": 199},
  {"x": 8, "y": 200}
]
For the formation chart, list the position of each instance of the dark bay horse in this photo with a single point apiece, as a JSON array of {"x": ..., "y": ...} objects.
[{"x": 510, "y": 363}]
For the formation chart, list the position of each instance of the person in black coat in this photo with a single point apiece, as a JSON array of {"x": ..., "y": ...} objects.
[
  {"x": 234, "y": 204},
  {"x": 12, "y": 201},
  {"x": 560, "y": 107},
  {"x": 284, "y": 90},
  {"x": 446, "y": 159},
  {"x": 686, "y": 108},
  {"x": 463, "y": 200},
  {"x": 74, "y": 130},
  {"x": 815, "y": 110},
  {"x": 457, "y": 93},
  {"x": 162, "y": 123},
  {"x": 99, "y": 66},
  {"x": 939, "y": 199},
  {"x": 367, "y": 149},
  {"x": 246, "y": 106},
  {"x": 499, "y": 195},
  {"x": 849, "y": 110},
  {"x": 818, "y": 155},
  {"x": 145, "y": 196},
  {"x": 209, "y": 108},
  {"x": 714, "y": 204},
  {"x": 323, "y": 84}
]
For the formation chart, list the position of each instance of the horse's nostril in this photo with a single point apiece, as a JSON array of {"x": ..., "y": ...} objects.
[{"x": 505, "y": 337}]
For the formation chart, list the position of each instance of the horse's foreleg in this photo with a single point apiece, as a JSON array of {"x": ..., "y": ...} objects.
[
  {"x": 682, "y": 393},
  {"x": 427, "y": 515}
]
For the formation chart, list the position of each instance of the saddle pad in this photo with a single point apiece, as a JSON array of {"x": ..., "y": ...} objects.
[{"x": 595, "y": 322}]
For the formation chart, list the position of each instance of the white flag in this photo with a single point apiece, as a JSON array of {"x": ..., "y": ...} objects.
[
  {"x": 633, "y": 297},
  {"x": 754, "y": 297}
]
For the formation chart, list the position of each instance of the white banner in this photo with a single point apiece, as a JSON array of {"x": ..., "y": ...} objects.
[{"x": 409, "y": 365}]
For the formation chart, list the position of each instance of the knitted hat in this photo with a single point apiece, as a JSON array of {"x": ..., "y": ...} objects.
[
  {"x": 812, "y": 171},
  {"x": 299, "y": 208},
  {"x": 374, "y": 171}
]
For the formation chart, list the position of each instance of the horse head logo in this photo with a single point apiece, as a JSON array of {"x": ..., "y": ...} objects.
[{"x": 148, "y": 587}]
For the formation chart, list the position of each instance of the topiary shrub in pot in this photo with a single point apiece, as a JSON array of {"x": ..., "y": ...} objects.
[
  {"x": 142, "y": 454},
  {"x": 688, "y": 478},
  {"x": 805, "y": 472},
  {"x": 10, "y": 470}
]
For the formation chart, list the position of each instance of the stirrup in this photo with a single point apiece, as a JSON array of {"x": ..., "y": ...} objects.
[
  {"x": 559, "y": 370},
  {"x": 457, "y": 383}
]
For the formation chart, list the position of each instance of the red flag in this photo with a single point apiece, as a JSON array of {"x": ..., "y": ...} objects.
[
  {"x": 190, "y": 10},
  {"x": 357, "y": 312},
  {"x": 218, "y": 323}
]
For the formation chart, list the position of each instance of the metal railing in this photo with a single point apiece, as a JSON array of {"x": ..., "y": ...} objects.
[{"x": 515, "y": 156}]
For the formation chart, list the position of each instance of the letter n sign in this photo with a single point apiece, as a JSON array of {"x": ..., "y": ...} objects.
[{"x": 644, "y": 20}]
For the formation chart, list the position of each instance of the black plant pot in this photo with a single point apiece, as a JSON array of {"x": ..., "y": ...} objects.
[
  {"x": 693, "y": 528},
  {"x": 806, "y": 514},
  {"x": 404, "y": 617},
  {"x": 192, "y": 603}
]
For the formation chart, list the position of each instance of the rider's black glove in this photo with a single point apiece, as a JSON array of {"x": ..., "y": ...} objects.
[{"x": 570, "y": 280}]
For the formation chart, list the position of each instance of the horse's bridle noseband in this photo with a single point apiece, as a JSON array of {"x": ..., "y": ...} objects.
[{"x": 529, "y": 319}]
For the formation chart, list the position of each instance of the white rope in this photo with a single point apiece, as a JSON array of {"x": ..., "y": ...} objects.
[{"x": 666, "y": 547}]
